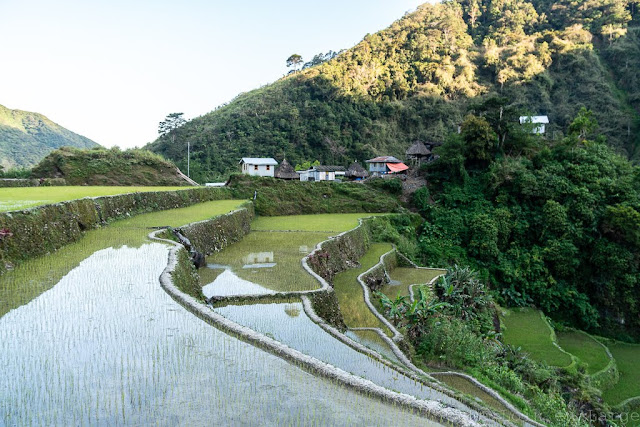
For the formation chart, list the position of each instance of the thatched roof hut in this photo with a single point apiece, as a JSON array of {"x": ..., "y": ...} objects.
[
  {"x": 286, "y": 171},
  {"x": 418, "y": 149},
  {"x": 356, "y": 171}
]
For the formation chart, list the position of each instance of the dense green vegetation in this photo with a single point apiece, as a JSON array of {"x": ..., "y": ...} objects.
[
  {"x": 98, "y": 166},
  {"x": 26, "y": 138},
  {"x": 415, "y": 80},
  {"x": 555, "y": 224},
  {"x": 456, "y": 327}
]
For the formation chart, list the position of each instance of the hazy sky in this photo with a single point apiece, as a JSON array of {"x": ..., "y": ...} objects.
[{"x": 111, "y": 70}]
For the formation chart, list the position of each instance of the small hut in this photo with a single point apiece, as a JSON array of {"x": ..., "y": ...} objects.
[
  {"x": 418, "y": 153},
  {"x": 356, "y": 172},
  {"x": 286, "y": 171}
]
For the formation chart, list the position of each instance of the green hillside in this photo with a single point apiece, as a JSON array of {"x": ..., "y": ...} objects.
[
  {"x": 418, "y": 78},
  {"x": 25, "y": 138}
]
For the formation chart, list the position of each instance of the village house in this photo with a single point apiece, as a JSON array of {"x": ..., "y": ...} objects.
[
  {"x": 356, "y": 172},
  {"x": 385, "y": 165},
  {"x": 321, "y": 173},
  {"x": 286, "y": 171},
  {"x": 538, "y": 122},
  {"x": 418, "y": 153},
  {"x": 256, "y": 166}
]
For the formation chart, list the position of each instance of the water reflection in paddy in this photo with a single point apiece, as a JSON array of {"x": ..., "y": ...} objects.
[
  {"x": 107, "y": 346},
  {"x": 403, "y": 277},
  {"x": 262, "y": 263}
]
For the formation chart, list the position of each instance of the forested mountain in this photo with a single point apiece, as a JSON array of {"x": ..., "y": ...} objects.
[
  {"x": 418, "y": 78},
  {"x": 26, "y": 138}
]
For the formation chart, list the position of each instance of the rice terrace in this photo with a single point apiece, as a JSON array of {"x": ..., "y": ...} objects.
[{"x": 373, "y": 212}]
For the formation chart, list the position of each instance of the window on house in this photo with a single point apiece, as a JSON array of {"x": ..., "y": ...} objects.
[
  {"x": 255, "y": 168},
  {"x": 268, "y": 167}
]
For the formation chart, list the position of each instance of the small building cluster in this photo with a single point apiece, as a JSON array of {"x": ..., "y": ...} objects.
[{"x": 418, "y": 153}]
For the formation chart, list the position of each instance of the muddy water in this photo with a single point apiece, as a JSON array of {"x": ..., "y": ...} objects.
[{"x": 107, "y": 346}]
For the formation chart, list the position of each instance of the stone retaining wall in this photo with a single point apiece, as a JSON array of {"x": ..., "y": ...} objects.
[
  {"x": 37, "y": 231},
  {"x": 20, "y": 182}
]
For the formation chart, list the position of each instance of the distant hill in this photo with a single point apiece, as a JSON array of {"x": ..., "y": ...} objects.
[
  {"x": 99, "y": 166},
  {"x": 418, "y": 79},
  {"x": 26, "y": 138}
]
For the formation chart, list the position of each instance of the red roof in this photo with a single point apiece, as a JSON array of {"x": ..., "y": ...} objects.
[{"x": 397, "y": 167}]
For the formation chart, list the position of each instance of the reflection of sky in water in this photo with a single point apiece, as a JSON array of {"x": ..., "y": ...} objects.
[
  {"x": 301, "y": 333},
  {"x": 228, "y": 284},
  {"x": 262, "y": 263},
  {"x": 108, "y": 346}
]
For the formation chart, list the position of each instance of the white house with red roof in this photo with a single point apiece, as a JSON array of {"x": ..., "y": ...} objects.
[{"x": 386, "y": 164}]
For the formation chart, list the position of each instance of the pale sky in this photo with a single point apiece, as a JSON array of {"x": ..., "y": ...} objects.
[{"x": 111, "y": 70}]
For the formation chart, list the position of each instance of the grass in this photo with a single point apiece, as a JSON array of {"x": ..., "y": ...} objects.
[
  {"x": 321, "y": 222},
  {"x": 23, "y": 198},
  {"x": 526, "y": 328},
  {"x": 585, "y": 348},
  {"x": 350, "y": 294},
  {"x": 37, "y": 275},
  {"x": 627, "y": 357}
]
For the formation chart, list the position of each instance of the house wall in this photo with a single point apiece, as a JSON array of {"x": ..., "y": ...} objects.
[
  {"x": 324, "y": 176},
  {"x": 378, "y": 167},
  {"x": 258, "y": 170}
]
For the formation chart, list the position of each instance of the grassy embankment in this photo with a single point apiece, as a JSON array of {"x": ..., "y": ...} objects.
[
  {"x": 35, "y": 276},
  {"x": 23, "y": 198},
  {"x": 277, "y": 197}
]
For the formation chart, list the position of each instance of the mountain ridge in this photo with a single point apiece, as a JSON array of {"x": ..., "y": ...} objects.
[
  {"x": 418, "y": 78},
  {"x": 27, "y": 137}
]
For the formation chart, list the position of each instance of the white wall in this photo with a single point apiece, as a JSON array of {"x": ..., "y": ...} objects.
[{"x": 258, "y": 170}]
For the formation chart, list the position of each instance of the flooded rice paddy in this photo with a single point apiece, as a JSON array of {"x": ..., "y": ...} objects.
[
  {"x": 99, "y": 342},
  {"x": 403, "y": 277},
  {"x": 262, "y": 263},
  {"x": 107, "y": 346},
  {"x": 289, "y": 324}
]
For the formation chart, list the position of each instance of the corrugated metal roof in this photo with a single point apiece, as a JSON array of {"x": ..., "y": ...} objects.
[
  {"x": 259, "y": 161},
  {"x": 323, "y": 168},
  {"x": 384, "y": 159},
  {"x": 534, "y": 119}
]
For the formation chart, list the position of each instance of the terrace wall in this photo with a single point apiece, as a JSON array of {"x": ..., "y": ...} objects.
[{"x": 41, "y": 230}]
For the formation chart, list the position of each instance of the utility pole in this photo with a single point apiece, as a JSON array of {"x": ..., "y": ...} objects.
[{"x": 188, "y": 158}]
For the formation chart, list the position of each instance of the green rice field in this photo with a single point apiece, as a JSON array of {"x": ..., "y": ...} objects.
[
  {"x": 524, "y": 327},
  {"x": 321, "y": 222},
  {"x": 627, "y": 357},
  {"x": 12, "y": 199},
  {"x": 585, "y": 348},
  {"x": 350, "y": 294}
]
